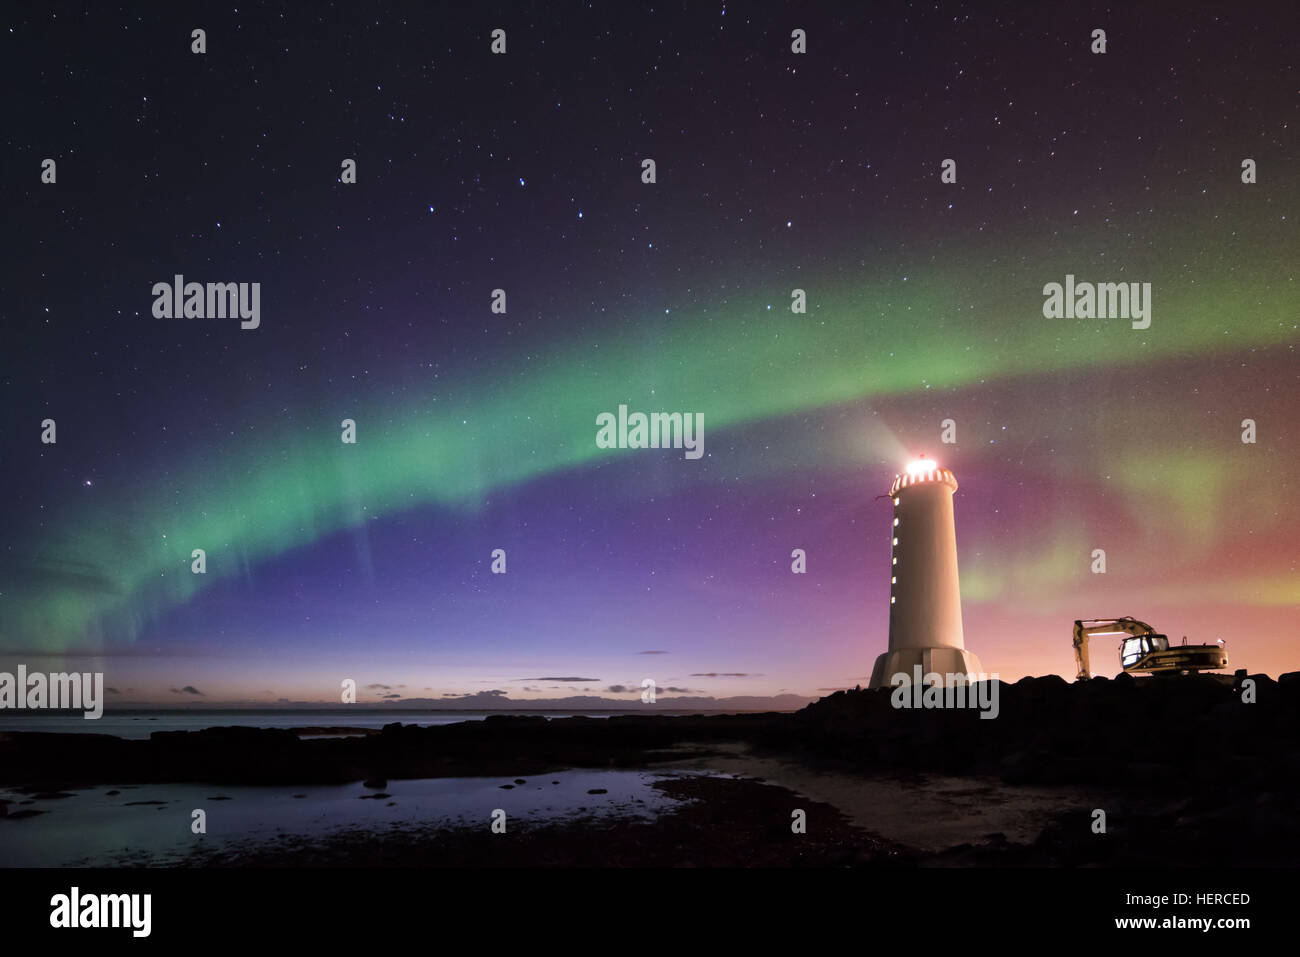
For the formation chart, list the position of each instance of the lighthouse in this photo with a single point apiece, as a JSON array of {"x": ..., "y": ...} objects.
[{"x": 924, "y": 598}]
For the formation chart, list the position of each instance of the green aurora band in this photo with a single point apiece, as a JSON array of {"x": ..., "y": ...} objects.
[{"x": 102, "y": 572}]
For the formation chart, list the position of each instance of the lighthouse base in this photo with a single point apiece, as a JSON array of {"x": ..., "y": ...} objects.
[{"x": 942, "y": 661}]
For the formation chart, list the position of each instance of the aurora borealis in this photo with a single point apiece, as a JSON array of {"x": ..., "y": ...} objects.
[{"x": 476, "y": 430}]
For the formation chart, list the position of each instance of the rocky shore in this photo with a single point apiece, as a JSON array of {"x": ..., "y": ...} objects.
[{"x": 1185, "y": 772}]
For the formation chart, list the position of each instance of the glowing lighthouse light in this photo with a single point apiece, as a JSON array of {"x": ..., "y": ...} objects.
[{"x": 925, "y": 626}]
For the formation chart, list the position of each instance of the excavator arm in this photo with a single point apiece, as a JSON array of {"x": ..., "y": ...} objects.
[{"x": 1088, "y": 627}]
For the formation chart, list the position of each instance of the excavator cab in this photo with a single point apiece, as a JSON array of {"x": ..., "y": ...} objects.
[{"x": 1132, "y": 650}]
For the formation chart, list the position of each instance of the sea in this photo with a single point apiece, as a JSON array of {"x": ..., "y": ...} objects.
[
  {"x": 113, "y": 825},
  {"x": 141, "y": 724}
]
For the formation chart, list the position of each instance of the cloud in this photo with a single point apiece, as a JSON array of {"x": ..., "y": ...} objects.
[
  {"x": 188, "y": 689},
  {"x": 393, "y": 695},
  {"x": 724, "y": 674},
  {"x": 616, "y": 689},
  {"x": 556, "y": 679},
  {"x": 652, "y": 652},
  {"x": 683, "y": 690},
  {"x": 283, "y": 700},
  {"x": 379, "y": 687},
  {"x": 112, "y": 691}
]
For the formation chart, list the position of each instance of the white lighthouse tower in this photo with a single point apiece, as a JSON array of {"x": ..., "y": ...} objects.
[{"x": 924, "y": 599}]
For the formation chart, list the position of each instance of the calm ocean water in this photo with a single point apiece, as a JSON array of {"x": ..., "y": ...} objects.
[
  {"x": 150, "y": 824},
  {"x": 146, "y": 824},
  {"x": 141, "y": 724}
]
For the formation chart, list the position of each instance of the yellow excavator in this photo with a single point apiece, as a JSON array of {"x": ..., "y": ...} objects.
[{"x": 1142, "y": 651}]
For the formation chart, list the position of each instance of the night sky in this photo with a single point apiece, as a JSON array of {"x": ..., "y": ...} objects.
[{"x": 476, "y": 430}]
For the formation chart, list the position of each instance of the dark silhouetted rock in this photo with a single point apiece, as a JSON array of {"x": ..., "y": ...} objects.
[{"x": 1152, "y": 742}]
